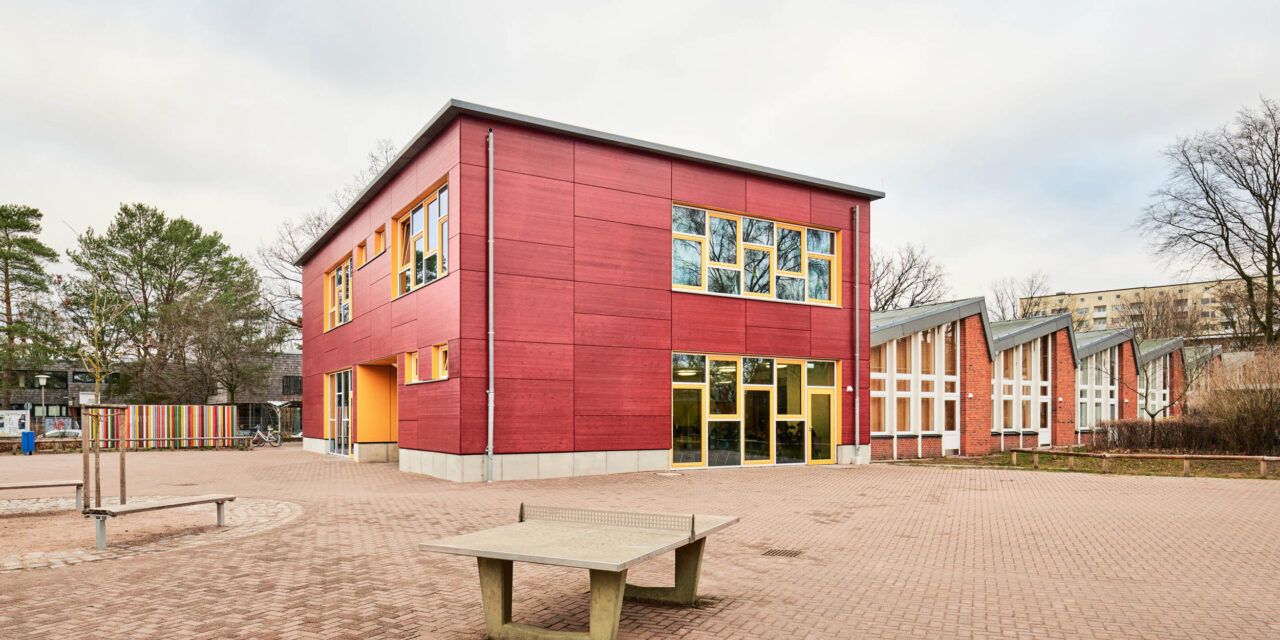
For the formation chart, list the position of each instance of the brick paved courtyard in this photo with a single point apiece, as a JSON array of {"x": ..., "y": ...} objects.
[{"x": 888, "y": 551}]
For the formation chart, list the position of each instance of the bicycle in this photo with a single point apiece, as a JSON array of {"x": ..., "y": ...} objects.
[{"x": 261, "y": 437}]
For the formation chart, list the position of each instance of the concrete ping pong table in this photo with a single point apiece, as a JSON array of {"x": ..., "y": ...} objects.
[{"x": 606, "y": 543}]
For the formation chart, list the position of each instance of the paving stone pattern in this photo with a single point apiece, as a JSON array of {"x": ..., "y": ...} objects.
[
  {"x": 888, "y": 551},
  {"x": 245, "y": 517}
]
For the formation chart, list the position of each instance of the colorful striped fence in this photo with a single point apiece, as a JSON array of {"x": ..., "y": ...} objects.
[{"x": 154, "y": 425}]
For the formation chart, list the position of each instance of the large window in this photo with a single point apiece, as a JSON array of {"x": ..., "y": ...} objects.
[
  {"x": 915, "y": 383},
  {"x": 1153, "y": 388},
  {"x": 1020, "y": 387},
  {"x": 1097, "y": 388},
  {"x": 734, "y": 255},
  {"x": 422, "y": 242},
  {"x": 745, "y": 410},
  {"x": 338, "y": 294}
]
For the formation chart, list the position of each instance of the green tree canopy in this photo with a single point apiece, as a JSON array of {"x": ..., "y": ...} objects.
[
  {"x": 24, "y": 285},
  {"x": 172, "y": 273}
]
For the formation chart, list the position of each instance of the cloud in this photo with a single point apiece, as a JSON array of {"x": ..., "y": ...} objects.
[{"x": 1009, "y": 136}]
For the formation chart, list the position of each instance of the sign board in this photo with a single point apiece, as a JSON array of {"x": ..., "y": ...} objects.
[
  {"x": 58, "y": 424},
  {"x": 12, "y": 422},
  {"x": 86, "y": 397}
]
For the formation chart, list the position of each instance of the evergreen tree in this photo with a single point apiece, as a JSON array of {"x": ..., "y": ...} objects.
[{"x": 24, "y": 284}]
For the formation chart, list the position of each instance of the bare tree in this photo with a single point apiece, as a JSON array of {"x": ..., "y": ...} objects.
[
  {"x": 281, "y": 279},
  {"x": 1012, "y": 298},
  {"x": 1220, "y": 208},
  {"x": 1156, "y": 314},
  {"x": 905, "y": 277}
]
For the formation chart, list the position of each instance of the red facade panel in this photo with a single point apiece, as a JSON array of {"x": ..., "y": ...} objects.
[
  {"x": 532, "y": 415},
  {"x": 632, "y": 302},
  {"x": 614, "y": 168},
  {"x": 532, "y": 309},
  {"x": 620, "y": 331},
  {"x": 708, "y": 323},
  {"x": 616, "y": 381},
  {"x": 708, "y": 186},
  {"x": 621, "y": 254},
  {"x": 621, "y": 206},
  {"x": 777, "y": 199},
  {"x": 532, "y": 209}
]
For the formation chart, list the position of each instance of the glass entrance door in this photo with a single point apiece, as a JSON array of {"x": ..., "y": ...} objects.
[
  {"x": 822, "y": 443},
  {"x": 339, "y": 410}
]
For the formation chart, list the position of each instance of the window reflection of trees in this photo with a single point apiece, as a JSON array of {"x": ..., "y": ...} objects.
[
  {"x": 757, "y": 270},
  {"x": 724, "y": 241},
  {"x": 789, "y": 250}
]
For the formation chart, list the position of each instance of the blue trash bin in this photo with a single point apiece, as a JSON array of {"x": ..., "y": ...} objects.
[{"x": 28, "y": 442}]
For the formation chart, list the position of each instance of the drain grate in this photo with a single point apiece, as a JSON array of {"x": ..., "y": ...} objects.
[{"x": 783, "y": 553}]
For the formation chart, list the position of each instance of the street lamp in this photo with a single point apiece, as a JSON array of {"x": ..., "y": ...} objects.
[{"x": 42, "y": 379}]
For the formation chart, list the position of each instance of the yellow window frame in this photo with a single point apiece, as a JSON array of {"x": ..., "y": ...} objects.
[
  {"x": 379, "y": 240},
  {"x": 402, "y": 247},
  {"x": 737, "y": 385},
  {"x": 702, "y": 254},
  {"x": 737, "y": 239},
  {"x": 411, "y": 366},
  {"x": 773, "y": 430},
  {"x": 704, "y": 390},
  {"x": 831, "y": 277},
  {"x": 804, "y": 385},
  {"x": 332, "y": 302},
  {"x": 773, "y": 269},
  {"x": 777, "y": 228},
  {"x": 809, "y": 394},
  {"x": 440, "y": 361}
]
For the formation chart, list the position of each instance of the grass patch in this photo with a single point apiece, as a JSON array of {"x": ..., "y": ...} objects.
[{"x": 1142, "y": 467}]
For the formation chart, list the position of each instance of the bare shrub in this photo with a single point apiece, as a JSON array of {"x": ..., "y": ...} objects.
[{"x": 1236, "y": 411}]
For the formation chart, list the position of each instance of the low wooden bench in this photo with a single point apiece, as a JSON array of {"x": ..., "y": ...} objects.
[
  {"x": 49, "y": 484},
  {"x": 100, "y": 514}
]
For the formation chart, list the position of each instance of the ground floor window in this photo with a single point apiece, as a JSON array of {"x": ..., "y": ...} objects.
[{"x": 748, "y": 410}]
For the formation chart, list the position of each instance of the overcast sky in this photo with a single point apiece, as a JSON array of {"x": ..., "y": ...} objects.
[{"x": 1009, "y": 137}]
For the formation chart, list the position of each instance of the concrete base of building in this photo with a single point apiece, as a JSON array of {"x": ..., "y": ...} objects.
[
  {"x": 315, "y": 445},
  {"x": 851, "y": 454},
  {"x": 530, "y": 466},
  {"x": 377, "y": 452}
]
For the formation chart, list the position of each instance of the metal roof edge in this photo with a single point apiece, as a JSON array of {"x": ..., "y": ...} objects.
[
  {"x": 1050, "y": 325},
  {"x": 946, "y": 312},
  {"x": 1118, "y": 337},
  {"x": 455, "y": 108},
  {"x": 1173, "y": 344}
]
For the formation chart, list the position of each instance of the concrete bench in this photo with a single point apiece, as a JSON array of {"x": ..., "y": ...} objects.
[
  {"x": 100, "y": 514},
  {"x": 49, "y": 484}
]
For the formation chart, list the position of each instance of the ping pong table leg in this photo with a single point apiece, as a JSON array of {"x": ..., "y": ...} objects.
[
  {"x": 607, "y": 589},
  {"x": 495, "y": 592},
  {"x": 688, "y": 571}
]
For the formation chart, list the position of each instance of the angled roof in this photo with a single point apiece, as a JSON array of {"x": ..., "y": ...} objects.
[
  {"x": 1149, "y": 350},
  {"x": 454, "y": 108},
  {"x": 1091, "y": 342},
  {"x": 1200, "y": 355},
  {"x": 896, "y": 323},
  {"x": 1011, "y": 333}
]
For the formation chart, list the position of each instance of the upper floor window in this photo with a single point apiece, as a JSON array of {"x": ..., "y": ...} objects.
[
  {"x": 730, "y": 254},
  {"x": 423, "y": 242},
  {"x": 290, "y": 385},
  {"x": 337, "y": 294}
]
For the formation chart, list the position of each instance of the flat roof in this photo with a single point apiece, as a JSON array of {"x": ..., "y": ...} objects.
[
  {"x": 1196, "y": 355},
  {"x": 455, "y": 108},
  {"x": 1068, "y": 294}
]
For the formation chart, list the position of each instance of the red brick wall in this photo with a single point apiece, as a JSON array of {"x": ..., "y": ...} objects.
[
  {"x": 975, "y": 381},
  {"x": 882, "y": 448},
  {"x": 1063, "y": 385},
  {"x": 1128, "y": 383},
  {"x": 909, "y": 447},
  {"x": 1177, "y": 381},
  {"x": 585, "y": 319}
]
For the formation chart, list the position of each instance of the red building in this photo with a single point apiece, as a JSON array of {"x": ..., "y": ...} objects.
[{"x": 577, "y": 303}]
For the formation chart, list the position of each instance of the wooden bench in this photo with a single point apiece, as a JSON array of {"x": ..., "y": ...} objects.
[
  {"x": 49, "y": 484},
  {"x": 100, "y": 514}
]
